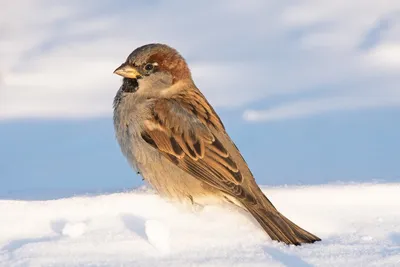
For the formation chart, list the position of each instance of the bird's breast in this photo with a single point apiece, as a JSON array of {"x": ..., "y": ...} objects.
[{"x": 129, "y": 114}]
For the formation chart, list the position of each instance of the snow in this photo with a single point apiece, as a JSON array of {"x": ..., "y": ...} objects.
[{"x": 358, "y": 223}]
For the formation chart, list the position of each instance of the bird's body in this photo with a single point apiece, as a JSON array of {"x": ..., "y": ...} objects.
[
  {"x": 181, "y": 187},
  {"x": 170, "y": 134}
]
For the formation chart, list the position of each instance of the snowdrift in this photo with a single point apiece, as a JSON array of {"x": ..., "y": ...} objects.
[{"x": 359, "y": 225}]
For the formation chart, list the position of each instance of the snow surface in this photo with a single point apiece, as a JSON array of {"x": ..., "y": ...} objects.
[{"x": 359, "y": 225}]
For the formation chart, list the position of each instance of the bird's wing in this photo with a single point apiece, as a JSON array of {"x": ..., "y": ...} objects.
[{"x": 181, "y": 128}]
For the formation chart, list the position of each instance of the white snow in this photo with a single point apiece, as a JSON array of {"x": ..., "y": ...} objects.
[
  {"x": 359, "y": 225},
  {"x": 74, "y": 229},
  {"x": 158, "y": 235}
]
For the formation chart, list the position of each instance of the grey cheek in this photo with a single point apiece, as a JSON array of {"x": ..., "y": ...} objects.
[
  {"x": 156, "y": 81},
  {"x": 167, "y": 81}
]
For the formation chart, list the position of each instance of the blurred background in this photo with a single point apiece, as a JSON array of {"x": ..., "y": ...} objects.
[{"x": 308, "y": 90}]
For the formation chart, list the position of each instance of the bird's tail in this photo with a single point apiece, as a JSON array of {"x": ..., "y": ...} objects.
[{"x": 278, "y": 227}]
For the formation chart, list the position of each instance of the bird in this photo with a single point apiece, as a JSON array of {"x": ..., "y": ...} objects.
[{"x": 172, "y": 136}]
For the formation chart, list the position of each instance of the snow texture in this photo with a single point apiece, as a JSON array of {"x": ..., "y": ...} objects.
[{"x": 359, "y": 225}]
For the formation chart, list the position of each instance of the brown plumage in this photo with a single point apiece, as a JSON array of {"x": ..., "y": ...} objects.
[{"x": 172, "y": 135}]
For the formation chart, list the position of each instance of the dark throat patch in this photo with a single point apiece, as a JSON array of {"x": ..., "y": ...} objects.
[{"x": 130, "y": 85}]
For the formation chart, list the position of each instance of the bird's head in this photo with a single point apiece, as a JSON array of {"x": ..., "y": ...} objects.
[{"x": 153, "y": 68}]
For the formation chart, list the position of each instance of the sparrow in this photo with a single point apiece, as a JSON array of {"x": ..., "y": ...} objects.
[{"x": 170, "y": 133}]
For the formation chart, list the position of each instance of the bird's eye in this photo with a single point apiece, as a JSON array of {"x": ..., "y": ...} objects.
[{"x": 149, "y": 67}]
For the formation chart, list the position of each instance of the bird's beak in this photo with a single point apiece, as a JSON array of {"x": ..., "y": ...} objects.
[{"x": 127, "y": 71}]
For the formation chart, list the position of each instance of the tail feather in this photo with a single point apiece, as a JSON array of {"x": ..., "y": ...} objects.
[{"x": 280, "y": 228}]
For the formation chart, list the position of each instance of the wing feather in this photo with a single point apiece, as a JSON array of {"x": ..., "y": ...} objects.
[{"x": 182, "y": 130}]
